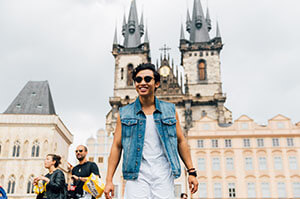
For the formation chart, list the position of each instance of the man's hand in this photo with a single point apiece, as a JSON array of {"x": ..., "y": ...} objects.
[
  {"x": 193, "y": 184},
  {"x": 109, "y": 188}
]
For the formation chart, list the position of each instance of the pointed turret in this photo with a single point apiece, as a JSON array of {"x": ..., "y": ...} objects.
[
  {"x": 188, "y": 21},
  {"x": 115, "y": 38},
  {"x": 208, "y": 20},
  {"x": 132, "y": 30},
  {"x": 182, "y": 33},
  {"x": 218, "y": 34},
  {"x": 34, "y": 98},
  {"x": 124, "y": 26},
  {"x": 199, "y": 29},
  {"x": 146, "y": 39},
  {"x": 142, "y": 25}
]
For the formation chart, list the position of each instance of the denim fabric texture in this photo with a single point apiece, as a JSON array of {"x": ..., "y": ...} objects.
[{"x": 133, "y": 122}]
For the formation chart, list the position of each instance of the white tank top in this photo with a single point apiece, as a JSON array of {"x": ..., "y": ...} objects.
[{"x": 154, "y": 164}]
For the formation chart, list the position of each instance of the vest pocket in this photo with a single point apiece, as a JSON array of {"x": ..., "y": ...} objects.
[
  {"x": 170, "y": 125},
  {"x": 128, "y": 125}
]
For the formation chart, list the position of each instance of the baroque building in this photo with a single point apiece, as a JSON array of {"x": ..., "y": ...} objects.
[
  {"x": 29, "y": 130},
  {"x": 239, "y": 159}
]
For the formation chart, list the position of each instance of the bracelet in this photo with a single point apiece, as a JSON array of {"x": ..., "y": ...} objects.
[
  {"x": 191, "y": 169},
  {"x": 193, "y": 173}
]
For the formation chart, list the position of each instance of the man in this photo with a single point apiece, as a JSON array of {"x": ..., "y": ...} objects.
[
  {"x": 82, "y": 171},
  {"x": 183, "y": 196},
  {"x": 149, "y": 132}
]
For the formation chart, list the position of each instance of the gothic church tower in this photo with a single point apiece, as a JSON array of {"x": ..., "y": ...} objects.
[
  {"x": 200, "y": 57},
  {"x": 127, "y": 57},
  {"x": 130, "y": 54}
]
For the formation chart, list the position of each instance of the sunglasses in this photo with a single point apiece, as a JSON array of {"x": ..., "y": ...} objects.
[
  {"x": 139, "y": 79},
  {"x": 78, "y": 151}
]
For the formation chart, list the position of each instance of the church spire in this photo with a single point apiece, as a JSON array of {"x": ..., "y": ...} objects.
[
  {"x": 182, "y": 33},
  {"x": 199, "y": 29},
  {"x": 188, "y": 21},
  {"x": 132, "y": 29},
  {"x": 218, "y": 34},
  {"x": 208, "y": 20},
  {"x": 115, "y": 38},
  {"x": 124, "y": 25},
  {"x": 142, "y": 25},
  {"x": 146, "y": 39}
]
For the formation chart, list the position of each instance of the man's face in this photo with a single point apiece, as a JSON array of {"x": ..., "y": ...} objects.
[
  {"x": 143, "y": 86},
  {"x": 80, "y": 153}
]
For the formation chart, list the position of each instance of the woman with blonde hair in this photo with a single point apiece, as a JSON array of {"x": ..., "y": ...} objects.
[{"x": 55, "y": 179}]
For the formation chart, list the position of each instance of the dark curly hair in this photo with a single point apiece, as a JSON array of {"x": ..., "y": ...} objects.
[
  {"x": 146, "y": 66},
  {"x": 55, "y": 158}
]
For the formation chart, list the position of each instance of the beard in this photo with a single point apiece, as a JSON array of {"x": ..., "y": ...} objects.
[{"x": 80, "y": 158}]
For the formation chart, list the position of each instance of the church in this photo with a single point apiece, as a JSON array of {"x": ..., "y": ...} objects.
[{"x": 234, "y": 159}]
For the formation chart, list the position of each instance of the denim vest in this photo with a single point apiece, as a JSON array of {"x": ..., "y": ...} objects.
[{"x": 133, "y": 122}]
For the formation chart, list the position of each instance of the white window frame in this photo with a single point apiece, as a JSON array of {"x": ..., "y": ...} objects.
[
  {"x": 200, "y": 143},
  {"x": 246, "y": 142},
  {"x": 231, "y": 190},
  {"x": 228, "y": 143},
  {"x": 281, "y": 189},
  {"x": 229, "y": 163},
  {"x": 265, "y": 190},
  {"x": 262, "y": 163},
  {"x": 251, "y": 190},
  {"x": 296, "y": 189},
  {"x": 217, "y": 190},
  {"x": 260, "y": 142},
  {"x": 290, "y": 142},
  {"x": 278, "y": 163},
  {"x": 216, "y": 165},
  {"x": 202, "y": 190},
  {"x": 275, "y": 142},
  {"x": 201, "y": 164},
  {"x": 293, "y": 164},
  {"x": 214, "y": 143},
  {"x": 248, "y": 163}
]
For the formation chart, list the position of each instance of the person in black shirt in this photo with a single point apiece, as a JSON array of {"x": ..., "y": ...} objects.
[
  {"x": 55, "y": 179},
  {"x": 82, "y": 171}
]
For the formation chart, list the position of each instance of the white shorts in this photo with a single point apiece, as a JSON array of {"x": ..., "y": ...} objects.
[{"x": 141, "y": 189}]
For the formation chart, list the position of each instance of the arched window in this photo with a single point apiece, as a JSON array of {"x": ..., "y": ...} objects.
[
  {"x": 129, "y": 75},
  {"x": 11, "y": 185},
  {"x": 30, "y": 185},
  {"x": 35, "y": 150},
  {"x": 202, "y": 69},
  {"x": 16, "y": 149}
]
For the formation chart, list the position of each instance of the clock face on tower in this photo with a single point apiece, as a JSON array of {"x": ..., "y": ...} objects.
[{"x": 164, "y": 71}]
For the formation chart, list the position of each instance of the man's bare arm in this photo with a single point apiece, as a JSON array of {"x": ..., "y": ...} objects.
[
  {"x": 183, "y": 147},
  {"x": 185, "y": 155},
  {"x": 113, "y": 159}
]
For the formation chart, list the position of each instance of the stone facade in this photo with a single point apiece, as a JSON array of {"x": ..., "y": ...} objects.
[{"x": 25, "y": 140}]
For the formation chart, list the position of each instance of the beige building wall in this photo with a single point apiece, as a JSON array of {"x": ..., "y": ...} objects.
[
  {"x": 246, "y": 160},
  {"x": 46, "y": 132}
]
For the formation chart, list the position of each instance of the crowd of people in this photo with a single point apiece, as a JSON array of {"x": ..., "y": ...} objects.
[{"x": 148, "y": 133}]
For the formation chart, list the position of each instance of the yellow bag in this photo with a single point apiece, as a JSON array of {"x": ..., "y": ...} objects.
[
  {"x": 40, "y": 187},
  {"x": 94, "y": 186}
]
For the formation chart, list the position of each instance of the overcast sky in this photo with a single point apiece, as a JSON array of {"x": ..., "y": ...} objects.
[{"x": 69, "y": 43}]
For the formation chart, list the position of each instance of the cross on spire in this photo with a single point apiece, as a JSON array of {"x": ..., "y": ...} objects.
[{"x": 165, "y": 49}]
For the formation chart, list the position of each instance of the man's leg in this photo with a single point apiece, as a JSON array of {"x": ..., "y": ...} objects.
[
  {"x": 163, "y": 189},
  {"x": 137, "y": 189}
]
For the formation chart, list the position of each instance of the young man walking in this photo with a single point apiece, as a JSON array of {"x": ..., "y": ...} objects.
[{"x": 149, "y": 133}]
